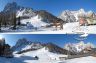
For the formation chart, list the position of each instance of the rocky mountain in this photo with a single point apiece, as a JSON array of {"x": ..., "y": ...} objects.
[
  {"x": 48, "y": 17},
  {"x": 67, "y": 16},
  {"x": 72, "y": 16},
  {"x": 79, "y": 47},
  {"x": 20, "y": 10},
  {"x": 26, "y": 12},
  {"x": 23, "y": 45},
  {"x": 11, "y": 7},
  {"x": 56, "y": 49},
  {"x": 29, "y": 15}
]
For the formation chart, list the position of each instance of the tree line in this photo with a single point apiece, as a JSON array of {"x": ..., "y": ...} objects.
[{"x": 9, "y": 19}]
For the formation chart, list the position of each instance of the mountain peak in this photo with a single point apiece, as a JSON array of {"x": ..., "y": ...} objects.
[
  {"x": 10, "y": 7},
  {"x": 24, "y": 44},
  {"x": 82, "y": 9},
  {"x": 22, "y": 41}
]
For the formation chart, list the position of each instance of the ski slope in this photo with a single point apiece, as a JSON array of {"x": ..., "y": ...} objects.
[
  {"x": 36, "y": 21},
  {"x": 89, "y": 59},
  {"x": 44, "y": 57}
]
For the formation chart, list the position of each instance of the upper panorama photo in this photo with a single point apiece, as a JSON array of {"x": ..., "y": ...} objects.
[{"x": 48, "y": 16}]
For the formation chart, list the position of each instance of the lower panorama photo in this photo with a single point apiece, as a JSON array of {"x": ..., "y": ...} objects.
[{"x": 47, "y": 48}]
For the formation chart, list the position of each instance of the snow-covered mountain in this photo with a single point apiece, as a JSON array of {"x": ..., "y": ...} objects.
[
  {"x": 67, "y": 16},
  {"x": 56, "y": 49},
  {"x": 20, "y": 10},
  {"x": 30, "y": 16},
  {"x": 49, "y": 53},
  {"x": 78, "y": 47},
  {"x": 72, "y": 16},
  {"x": 23, "y": 45},
  {"x": 26, "y": 12}
]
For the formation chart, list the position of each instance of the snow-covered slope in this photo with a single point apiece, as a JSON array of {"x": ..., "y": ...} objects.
[
  {"x": 89, "y": 59},
  {"x": 35, "y": 21},
  {"x": 68, "y": 28},
  {"x": 44, "y": 56}
]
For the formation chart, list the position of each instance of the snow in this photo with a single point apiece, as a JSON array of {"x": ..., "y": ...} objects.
[
  {"x": 45, "y": 57},
  {"x": 25, "y": 12},
  {"x": 35, "y": 24},
  {"x": 25, "y": 59},
  {"x": 35, "y": 21},
  {"x": 23, "y": 44},
  {"x": 78, "y": 47},
  {"x": 75, "y": 13},
  {"x": 68, "y": 28},
  {"x": 89, "y": 59},
  {"x": 65, "y": 14}
]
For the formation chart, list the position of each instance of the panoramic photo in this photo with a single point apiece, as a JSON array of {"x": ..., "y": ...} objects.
[
  {"x": 44, "y": 16},
  {"x": 47, "y": 48}
]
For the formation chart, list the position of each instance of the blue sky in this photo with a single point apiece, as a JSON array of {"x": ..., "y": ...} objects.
[
  {"x": 59, "y": 39},
  {"x": 54, "y": 6}
]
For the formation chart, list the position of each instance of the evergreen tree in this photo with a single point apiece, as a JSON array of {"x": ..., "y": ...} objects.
[
  {"x": 5, "y": 19},
  {"x": 19, "y": 23},
  {"x": 0, "y": 21},
  {"x": 14, "y": 21}
]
